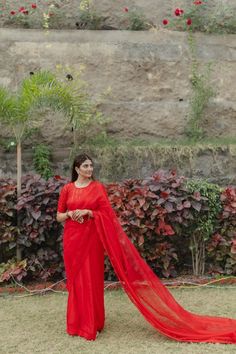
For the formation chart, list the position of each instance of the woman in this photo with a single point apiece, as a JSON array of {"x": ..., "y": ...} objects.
[
  {"x": 92, "y": 226},
  {"x": 83, "y": 251}
]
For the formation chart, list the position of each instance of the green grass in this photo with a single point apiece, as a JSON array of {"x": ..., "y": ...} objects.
[
  {"x": 102, "y": 141},
  {"x": 36, "y": 324}
]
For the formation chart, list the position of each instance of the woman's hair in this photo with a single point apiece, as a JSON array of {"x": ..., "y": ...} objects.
[{"x": 78, "y": 160}]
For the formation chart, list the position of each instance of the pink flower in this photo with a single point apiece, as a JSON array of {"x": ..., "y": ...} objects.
[
  {"x": 21, "y": 9},
  {"x": 34, "y": 6},
  {"x": 189, "y": 22},
  {"x": 165, "y": 22},
  {"x": 13, "y": 12},
  {"x": 126, "y": 9}
]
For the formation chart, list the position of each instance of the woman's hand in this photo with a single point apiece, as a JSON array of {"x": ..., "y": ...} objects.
[
  {"x": 75, "y": 215},
  {"x": 78, "y": 214}
]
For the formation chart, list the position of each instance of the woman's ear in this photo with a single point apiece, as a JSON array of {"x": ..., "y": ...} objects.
[{"x": 77, "y": 170}]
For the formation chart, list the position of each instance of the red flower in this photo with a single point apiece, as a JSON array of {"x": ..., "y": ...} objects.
[
  {"x": 34, "y": 6},
  {"x": 197, "y": 2},
  {"x": 178, "y": 12},
  {"x": 189, "y": 22},
  {"x": 13, "y": 12},
  {"x": 165, "y": 22},
  {"x": 23, "y": 10},
  {"x": 126, "y": 9}
]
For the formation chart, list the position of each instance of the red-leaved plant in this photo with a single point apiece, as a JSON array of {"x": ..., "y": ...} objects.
[
  {"x": 222, "y": 247},
  {"x": 8, "y": 229},
  {"x": 156, "y": 213},
  {"x": 40, "y": 233}
]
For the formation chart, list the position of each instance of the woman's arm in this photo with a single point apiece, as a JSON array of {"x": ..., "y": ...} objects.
[{"x": 61, "y": 217}]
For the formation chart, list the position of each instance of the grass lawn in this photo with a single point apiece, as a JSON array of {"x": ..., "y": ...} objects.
[{"x": 36, "y": 324}]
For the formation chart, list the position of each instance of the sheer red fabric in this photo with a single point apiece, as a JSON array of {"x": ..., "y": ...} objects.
[{"x": 141, "y": 284}]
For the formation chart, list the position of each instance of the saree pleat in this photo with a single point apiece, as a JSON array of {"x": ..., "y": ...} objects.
[{"x": 85, "y": 305}]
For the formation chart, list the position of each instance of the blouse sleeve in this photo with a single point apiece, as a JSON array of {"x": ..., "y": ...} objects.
[{"x": 62, "y": 201}]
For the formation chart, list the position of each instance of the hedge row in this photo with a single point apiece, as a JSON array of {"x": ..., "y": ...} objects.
[{"x": 163, "y": 216}]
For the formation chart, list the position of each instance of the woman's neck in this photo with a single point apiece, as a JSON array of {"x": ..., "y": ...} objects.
[{"x": 81, "y": 181}]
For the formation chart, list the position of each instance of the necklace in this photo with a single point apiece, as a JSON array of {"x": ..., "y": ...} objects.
[{"x": 83, "y": 185}]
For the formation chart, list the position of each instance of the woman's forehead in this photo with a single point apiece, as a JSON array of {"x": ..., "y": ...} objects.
[{"x": 87, "y": 162}]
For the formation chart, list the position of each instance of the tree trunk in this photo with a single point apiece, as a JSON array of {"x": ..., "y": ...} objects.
[
  {"x": 197, "y": 246},
  {"x": 18, "y": 179}
]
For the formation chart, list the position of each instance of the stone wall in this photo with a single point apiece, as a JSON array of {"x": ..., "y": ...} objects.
[
  {"x": 217, "y": 165},
  {"x": 147, "y": 74}
]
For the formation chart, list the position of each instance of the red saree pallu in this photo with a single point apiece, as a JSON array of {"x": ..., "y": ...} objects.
[{"x": 141, "y": 284}]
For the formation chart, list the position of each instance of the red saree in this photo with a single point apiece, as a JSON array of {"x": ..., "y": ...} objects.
[
  {"x": 84, "y": 264},
  {"x": 83, "y": 254}
]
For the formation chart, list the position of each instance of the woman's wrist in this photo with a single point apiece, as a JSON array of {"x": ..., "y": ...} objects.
[{"x": 90, "y": 213}]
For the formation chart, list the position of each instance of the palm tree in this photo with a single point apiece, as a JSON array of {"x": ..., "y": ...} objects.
[{"x": 18, "y": 111}]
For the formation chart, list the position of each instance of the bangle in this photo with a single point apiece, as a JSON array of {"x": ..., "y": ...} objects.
[{"x": 67, "y": 215}]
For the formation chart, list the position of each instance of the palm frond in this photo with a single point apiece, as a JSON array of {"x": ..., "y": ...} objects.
[
  {"x": 31, "y": 87},
  {"x": 43, "y": 89},
  {"x": 8, "y": 106}
]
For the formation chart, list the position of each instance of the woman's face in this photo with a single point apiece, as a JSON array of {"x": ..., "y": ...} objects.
[{"x": 86, "y": 169}]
